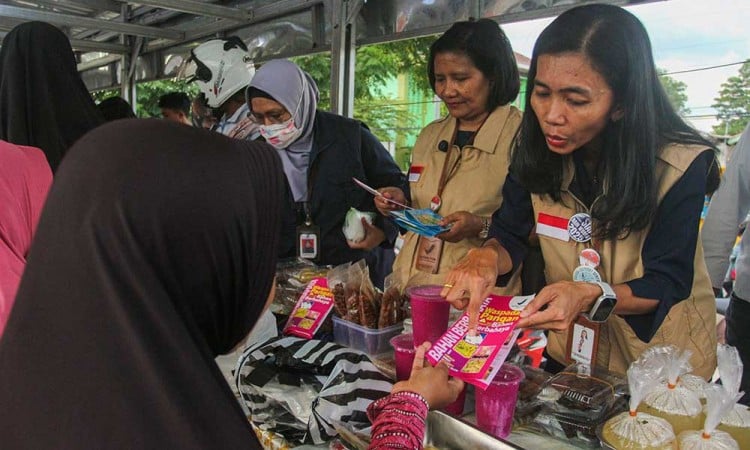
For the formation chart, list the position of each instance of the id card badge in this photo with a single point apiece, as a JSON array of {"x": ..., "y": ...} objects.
[
  {"x": 308, "y": 241},
  {"x": 429, "y": 251},
  {"x": 583, "y": 341}
]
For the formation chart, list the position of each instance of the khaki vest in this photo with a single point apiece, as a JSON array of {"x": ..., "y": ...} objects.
[
  {"x": 690, "y": 324},
  {"x": 476, "y": 187}
]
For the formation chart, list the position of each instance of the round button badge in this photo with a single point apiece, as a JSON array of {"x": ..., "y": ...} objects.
[
  {"x": 589, "y": 257},
  {"x": 435, "y": 203},
  {"x": 579, "y": 227},
  {"x": 587, "y": 274}
]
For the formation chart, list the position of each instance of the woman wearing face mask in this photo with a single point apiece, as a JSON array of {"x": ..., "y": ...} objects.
[
  {"x": 321, "y": 152},
  {"x": 614, "y": 182}
]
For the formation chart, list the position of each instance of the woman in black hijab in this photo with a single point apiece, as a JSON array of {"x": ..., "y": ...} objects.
[
  {"x": 168, "y": 258},
  {"x": 43, "y": 101}
]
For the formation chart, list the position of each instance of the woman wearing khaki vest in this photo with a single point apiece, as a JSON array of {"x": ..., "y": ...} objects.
[
  {"x": 614, "y": 182},
  {"x": 459, "y": 162}
]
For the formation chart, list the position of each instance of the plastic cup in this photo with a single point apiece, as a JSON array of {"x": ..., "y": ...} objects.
[
  {"x": 495, "y": 405},
  {"x": 456, "y": 408},
  {"x": 429, "y": 313},
  {"x": 403, "y": 350}
]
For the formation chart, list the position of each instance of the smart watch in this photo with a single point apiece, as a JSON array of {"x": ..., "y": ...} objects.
[
  {"x": 485, "y": 231},
  {"x": 604, "y": 305}
]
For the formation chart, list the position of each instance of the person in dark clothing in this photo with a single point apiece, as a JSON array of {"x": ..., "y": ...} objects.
[
  {"x": 321, "y": 152},
  {"x": 115, "y": 108},
  {"x": 175, "y": 106},
  {"x": 137, "y": 279},
  {"x": 43, "y": 101}
]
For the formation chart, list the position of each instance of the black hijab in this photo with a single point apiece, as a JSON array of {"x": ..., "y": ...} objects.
[
  {"x": 43, "y": 101},
  {"x": 170, "y": 236}
]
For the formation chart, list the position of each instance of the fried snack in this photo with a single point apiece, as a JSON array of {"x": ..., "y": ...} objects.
[
  {"x": 368, "y": 316},
  {"x": 339, "y": 300},
  {"x": 352, "y": 308}
]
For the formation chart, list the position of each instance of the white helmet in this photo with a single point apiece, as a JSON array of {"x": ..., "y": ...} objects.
[{"x": 221, "y": 68}]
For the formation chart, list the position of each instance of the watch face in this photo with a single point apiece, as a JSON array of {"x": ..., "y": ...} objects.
[{"x": 604, "y": 310}]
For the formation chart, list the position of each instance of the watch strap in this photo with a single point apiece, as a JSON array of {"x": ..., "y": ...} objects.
[{"x": 607, "y": 292}]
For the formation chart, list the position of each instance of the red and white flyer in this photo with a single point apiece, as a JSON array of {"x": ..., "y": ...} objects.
[
  {"x": 312, "y": 308},
  {"x": 476, "y": 359}
]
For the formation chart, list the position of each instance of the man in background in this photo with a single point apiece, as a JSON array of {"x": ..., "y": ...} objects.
[
  {"x": 729, "y": 207},
  {"x": 222, "y": 69},
  {"x": 175, "y": 106}
]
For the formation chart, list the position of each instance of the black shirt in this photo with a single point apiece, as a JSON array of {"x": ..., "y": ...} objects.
[{"x": 668, "y": 252}]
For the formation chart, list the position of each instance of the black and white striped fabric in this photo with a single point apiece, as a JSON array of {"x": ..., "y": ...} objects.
[{"x": 300, "y": 388}]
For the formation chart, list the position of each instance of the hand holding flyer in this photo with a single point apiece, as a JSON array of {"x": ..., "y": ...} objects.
[{"x": 476, "y": 359}]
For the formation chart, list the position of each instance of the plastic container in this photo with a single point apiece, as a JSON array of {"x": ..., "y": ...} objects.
[
  {"x": 367, "y": 340},
  {"x": 429, "y": 313}
]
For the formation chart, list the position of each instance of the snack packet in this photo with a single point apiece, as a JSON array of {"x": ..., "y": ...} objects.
[
  {"x": 639, "y": 430},
  {"x": 369, "y": 301},
  {"x": 392, "y": 309},
  {"x": 337, "y": 279},
  {"x": 312, "y": 309}
]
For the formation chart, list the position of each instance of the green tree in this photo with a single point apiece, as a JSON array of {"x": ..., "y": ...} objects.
[
  {"x": 675, "y": 91},
  {"x": 148, "y": 93},
  {"x": 733, "y": 103},
  {"x": 375, "y": 66}
]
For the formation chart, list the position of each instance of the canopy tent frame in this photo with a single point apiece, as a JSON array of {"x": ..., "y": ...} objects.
[{"x": 123, "y": 42}]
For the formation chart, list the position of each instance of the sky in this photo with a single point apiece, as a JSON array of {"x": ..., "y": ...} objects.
[{"x": 685, "y": 35}]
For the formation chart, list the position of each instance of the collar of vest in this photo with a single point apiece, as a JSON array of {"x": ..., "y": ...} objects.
[{"x": 486, "y": 139}]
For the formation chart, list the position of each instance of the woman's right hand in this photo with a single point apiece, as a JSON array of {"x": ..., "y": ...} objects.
[
  {"x": 389, "y": 193},
  {"x": 437, "y": 387},
  {"x": 471, "y": 281}
]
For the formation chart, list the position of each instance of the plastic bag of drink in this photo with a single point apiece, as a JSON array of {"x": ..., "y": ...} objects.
[
  {"x": 718, "y": 403},
  {"x": 736, "y": 421},
  {"x": 670, "y": 399},
  {"x": 638, "y": 430}
]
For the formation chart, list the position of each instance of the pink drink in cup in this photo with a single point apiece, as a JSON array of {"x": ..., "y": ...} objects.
[
  {"x": 495, "y": 405},
  {"x": 403, "y": 350},
  {"x": 429, "y": 313},
  {"x": 456, "y": 408}
]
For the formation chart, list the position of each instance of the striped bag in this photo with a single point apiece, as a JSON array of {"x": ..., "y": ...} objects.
[{"x": 300, "y": 388}]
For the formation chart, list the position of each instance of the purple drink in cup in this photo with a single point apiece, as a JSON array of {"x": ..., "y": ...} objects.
[
  {"x": 495, "y": 405},
  {"x": 403, "y": 351},
  {"x": 429, "y": 313}
]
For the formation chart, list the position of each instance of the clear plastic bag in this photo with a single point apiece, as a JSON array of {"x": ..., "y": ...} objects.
[
  {"x": 638, "y": 430},
  {"x": 353, "y": 228},
  {"x": 670, "y": 399},
  {"x": 718, "y": 403},
  {"x": 695, "y": 384},
  {"x": 338, "y": 278},
  {"x": 736, "y": 421},
  {"x": 292, "y": 277},
  {"x": 392, "y": 303}
]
